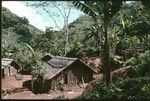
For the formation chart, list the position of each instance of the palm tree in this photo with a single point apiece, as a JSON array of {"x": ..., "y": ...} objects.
[{"x": 103, "y": 11}]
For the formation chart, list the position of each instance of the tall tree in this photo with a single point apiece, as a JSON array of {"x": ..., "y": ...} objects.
[{"x": 103, "y": 11}]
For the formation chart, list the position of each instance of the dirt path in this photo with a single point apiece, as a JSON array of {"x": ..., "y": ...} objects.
[{"x": 11, "y": 82}]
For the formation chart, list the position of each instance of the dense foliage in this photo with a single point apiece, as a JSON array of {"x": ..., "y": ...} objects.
[
  {"x": 17, "y": 33},
  {"x": 128, "y": 29},
  {"x": 129, "y": 34},
  {"x": 137, "y": 87},
  {"x": 128, "y": 89},
  {"x": 140, "y": 63}
]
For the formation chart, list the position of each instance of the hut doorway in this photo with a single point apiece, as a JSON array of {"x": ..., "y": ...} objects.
[
  {"x": 3, "y": 74},
  {"x": 66, "y": 79}
]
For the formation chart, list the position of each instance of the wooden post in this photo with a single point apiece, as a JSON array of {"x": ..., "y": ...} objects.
[
  {"x": 9, "y": 70},
  {"x": 32, "y": 83},
  {"x": 43, "y": 84},
  {"x": 83, "y": 82}
]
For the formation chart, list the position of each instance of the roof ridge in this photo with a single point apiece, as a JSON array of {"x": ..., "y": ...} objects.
[
  {"x": 67, "y": 58},
  {"x": 7, "y": 59}
]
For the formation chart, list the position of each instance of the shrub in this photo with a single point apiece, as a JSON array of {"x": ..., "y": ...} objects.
[
  {"x": 128, "y": 89},
  {"x": 141, "y": 63}
]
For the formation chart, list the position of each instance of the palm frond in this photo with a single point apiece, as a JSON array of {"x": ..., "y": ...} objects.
[
  {"x": 90, "y": 33},
  {"x": 31, "y": 49},
  {"x": 84, "y": 8}
]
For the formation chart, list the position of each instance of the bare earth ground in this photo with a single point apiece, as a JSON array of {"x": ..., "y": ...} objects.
[
  {"x": 53, "y": 95},
  {"x": 11, "y": 82}
]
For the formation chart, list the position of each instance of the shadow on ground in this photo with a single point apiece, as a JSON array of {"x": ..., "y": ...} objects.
[{"x": 36, "y": 89}]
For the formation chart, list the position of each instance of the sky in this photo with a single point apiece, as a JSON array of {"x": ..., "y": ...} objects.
[{"x": 40, "y": 20}]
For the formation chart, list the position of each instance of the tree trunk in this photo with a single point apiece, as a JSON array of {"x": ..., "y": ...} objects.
[
  {"x": 106, "y": 59},
  {"x": 66, "y": 35},
  {"x": 32, "y": 83},
  {"x": 66, "y": 40}
]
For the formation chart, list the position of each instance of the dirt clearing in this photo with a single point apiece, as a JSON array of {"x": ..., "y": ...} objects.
[
  {"x": 11, "y": 82},
  {"x": 77, "y": 91}
]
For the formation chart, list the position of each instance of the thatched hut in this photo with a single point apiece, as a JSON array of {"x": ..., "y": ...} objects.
[
  {"x": 9, "y": 67},
  {"x": 59, "y": 72}
]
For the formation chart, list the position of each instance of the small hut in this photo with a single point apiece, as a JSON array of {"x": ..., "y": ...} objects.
[
  {"x": 9, "y": 67},
  {"x": 59, "y": 72},
  {"x": 132, "y": 51}
]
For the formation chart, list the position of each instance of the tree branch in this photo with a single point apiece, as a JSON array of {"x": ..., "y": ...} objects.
[{"x": 52, "y": 18}]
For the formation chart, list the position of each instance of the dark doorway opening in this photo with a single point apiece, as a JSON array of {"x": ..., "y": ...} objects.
[
  {"x": 3, "y": 75},
  {"x": 37, "y": 86},
  {"x": 66, "y": 79}
]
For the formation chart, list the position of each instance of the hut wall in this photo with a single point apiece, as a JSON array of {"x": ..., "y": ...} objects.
[
  {"x": 39, "y": 85},
  {"x": 81, "y": 71},
  {"x": 55, "y": 82},
  {"x": 47, "y": 85},
  {"x": 61, "y": 80},
  {"x": 6, "y": 71},
  {"x": 73, "y": 74},
  {"x": 13, "y": 71},
  {"x": 9, "y": 71},
  {"x": 72, "y": 79}
]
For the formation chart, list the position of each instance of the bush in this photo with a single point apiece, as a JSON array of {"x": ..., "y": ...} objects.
[
  {"x": 141, "y": 63},
  {"x": 125, "y": 43},
  {"x": 128, "y": 89}
]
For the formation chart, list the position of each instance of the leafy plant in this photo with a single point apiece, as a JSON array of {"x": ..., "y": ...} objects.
[
  {"x": 128, "y": 89},
  {"x": 141, "y": 63}
]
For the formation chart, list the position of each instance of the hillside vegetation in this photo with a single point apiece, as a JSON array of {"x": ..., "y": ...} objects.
[
  {"x": 130, "y": 39},
  {"x": 128, "y": 34},
  {"x": 17, "y": 34}
]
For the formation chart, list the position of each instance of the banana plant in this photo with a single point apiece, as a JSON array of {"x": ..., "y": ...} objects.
[
  {"x": 92, "y": 33},
  {"x": 103, "y": 11},
  {"x": 33, "y": 54}
]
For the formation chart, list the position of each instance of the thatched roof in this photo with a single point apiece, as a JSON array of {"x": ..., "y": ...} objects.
[
  {"x": 59, "y": 63},
  {"x": 6, "y": 62},
  {"x": 56, "y": 65},
  {"x": 47, "y": 57}
]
